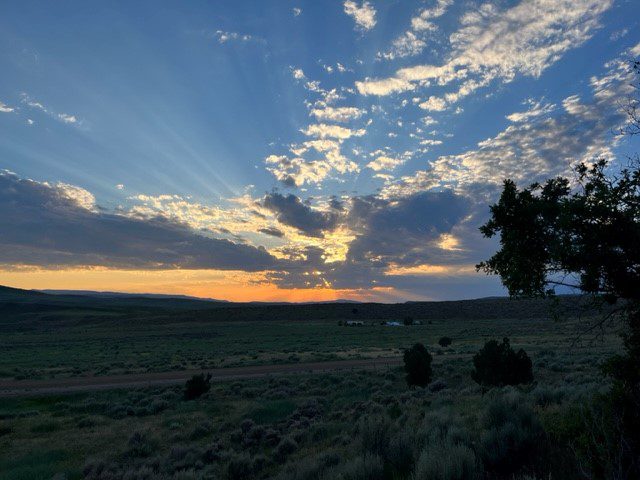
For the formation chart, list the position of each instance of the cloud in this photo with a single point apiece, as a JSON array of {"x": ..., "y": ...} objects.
[
  {"x": 60, "y": 225},
  {"x": 384, "y": 163},
  {"x": 66, "y": 118},
  {"x": 433, "y": 104},
  {"x": 541, "y": 142},
  {"x": 290, "y": 210},
  {"x": 406, "y": 45},
  {"x": 413, "y": 41},
  {"x": 384, "y": 86},
  {"x": 364, "y": 15},
  {"x": 296, "y": 171},
  {"x": 61, "y": 117},
  {"x": 272, "y": 231},
  {"x": 536, "y": 109},
  {"x": 224, "y": 37},
  {"x": 500, "y": 44},
  {"x": 323, "y": 130},
  {"x": 337, "y": 114},
  {"x": 4, "y": 108},
  {"x": 298, "y": 74}
]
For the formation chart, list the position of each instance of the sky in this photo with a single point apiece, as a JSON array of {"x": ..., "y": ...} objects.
[{"x": 281, "y": 150}]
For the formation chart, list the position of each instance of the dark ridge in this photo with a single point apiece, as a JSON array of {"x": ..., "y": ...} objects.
[{"x": 27, "y": 305}]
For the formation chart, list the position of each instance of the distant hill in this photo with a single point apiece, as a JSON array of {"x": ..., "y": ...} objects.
[
  {"x": 94, "y": 293},
  {"x": 28, "y": 306}
]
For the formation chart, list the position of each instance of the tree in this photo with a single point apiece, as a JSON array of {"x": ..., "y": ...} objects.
[
  {"x": 584, "y": 236},
  {"x": 445, "y": 342},
  {"x": 497, "y": 365},
  {"x": 196, "y": 386},
  {"x": 417, "y": 364}
]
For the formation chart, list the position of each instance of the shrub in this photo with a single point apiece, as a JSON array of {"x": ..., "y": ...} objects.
[
  {"x": 140, "y": 445},
  {"x": 400, "y": 452},
  {"x": 417, "y": 364},
  {"x": 240, "y": 467},
  {"x": 408, "y": 321},
  {"x": 196, "y": 386},
  {"x": 497, "y": 364},
  {"x": 363, "y": 468},
  {"x": 375, "y": 435},
  {"x": 446, "y": 461},
  {"x": 445, "y": 342},
  {"x": 513, "y": 439},
  {"x": 285, "y": 448}
]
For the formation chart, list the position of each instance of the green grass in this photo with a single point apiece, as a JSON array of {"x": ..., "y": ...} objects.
[{"x": 272, "y": 411}]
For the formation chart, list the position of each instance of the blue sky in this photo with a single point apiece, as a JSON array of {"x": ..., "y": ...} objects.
[{"x": 291, "y": 150}]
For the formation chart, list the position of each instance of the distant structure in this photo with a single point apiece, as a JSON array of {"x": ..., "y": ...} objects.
[
  {"x": 354, "y": 323},
  {"x": 393, "y": 324}
]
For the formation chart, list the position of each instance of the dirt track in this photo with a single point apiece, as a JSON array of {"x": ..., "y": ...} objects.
[{"x": 13, "y": 388}]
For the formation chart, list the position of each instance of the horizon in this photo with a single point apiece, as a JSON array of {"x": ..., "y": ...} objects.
[
  {"x": 292, "y": 151},
  {"x": 213, "y": 299}
]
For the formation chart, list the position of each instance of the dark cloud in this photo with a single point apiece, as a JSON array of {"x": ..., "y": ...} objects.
[
  {"x": 289, "y": 210},
  {"x": 274, "y": 232},
  {"x": 47, "y": 225},
  {"x": 402, "y": 231}
]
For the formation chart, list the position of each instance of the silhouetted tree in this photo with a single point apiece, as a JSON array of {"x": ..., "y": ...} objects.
[
  {"x": 196, "y": 386},
  {"x": 417, "y": 364},
  {"x": 445, "y": 342},
  {"x": 497, "y": 364},
  {"x": 585, "y": 236}
]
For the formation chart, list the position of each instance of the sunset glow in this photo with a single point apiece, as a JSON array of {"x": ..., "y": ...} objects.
[{"x": 281, "y": 152}]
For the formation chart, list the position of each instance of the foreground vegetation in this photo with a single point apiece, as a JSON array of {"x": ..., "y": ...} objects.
[{"x": 353, "y": 425}]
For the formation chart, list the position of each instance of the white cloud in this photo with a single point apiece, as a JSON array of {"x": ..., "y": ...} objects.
[
  {"x": 535, "y": 109},
  {"x": 413, "y": 41},
  {"x": 364, "y": 15},
  {"x": 433, "y": 104},
  {"x": 120, "y": 186},
  {"x": 323, "y": 130},
  {"x": 337, "y": 114},
  {"x": 385, "y": 163},
  {"x": 224, "y": 37},
  {"x": 296, "y": 171},
  {"x": 430, "y": 142},
  {"x": 4, "y": 108},
  {"x": 81, "y": 197},
  {"x": 384, "y": 86},
  {"x": 542, "y": 142},
  {"x": 61, "y": 117},
  {"x": 298, "y": 74},
  {"x": 501, "y": 44},
  {"x": 66, "y": 118},
  {"x": 406, "y": 45}
]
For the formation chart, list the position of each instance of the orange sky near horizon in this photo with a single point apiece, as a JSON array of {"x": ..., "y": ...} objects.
[{"x": 234, "y": 286}]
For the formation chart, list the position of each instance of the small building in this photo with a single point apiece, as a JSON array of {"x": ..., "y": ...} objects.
[
  {"x": 354, "y": 323},
  {"x": 393, "y": 324}
]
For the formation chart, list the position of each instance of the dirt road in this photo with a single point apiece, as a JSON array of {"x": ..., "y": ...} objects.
[{"x": 13, "y": 388}]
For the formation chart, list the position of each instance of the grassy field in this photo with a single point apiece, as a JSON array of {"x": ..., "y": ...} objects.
[
  {"x": 51, "y": 336},
  {"x": 349, "y": 425}
]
